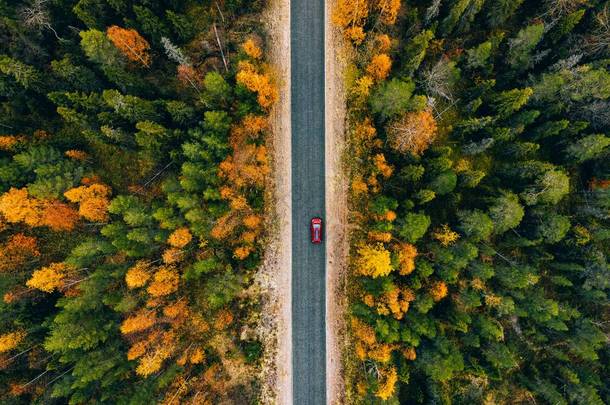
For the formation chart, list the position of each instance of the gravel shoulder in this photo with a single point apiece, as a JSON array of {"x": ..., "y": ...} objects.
[
  {"x": 337, "y": 247},
  {"x": 276, "y": 273}
]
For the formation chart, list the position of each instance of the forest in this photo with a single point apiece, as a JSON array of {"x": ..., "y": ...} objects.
[
  {"x": 133, "y": 163},
  {"x": 479, "y": 167}
]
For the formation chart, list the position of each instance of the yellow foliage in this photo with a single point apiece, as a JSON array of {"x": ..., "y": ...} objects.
[
  {"x": 251, "y": 49},
  {"x": 355, "y": 34},
  {"x": 180, "y": 238},
  {"x": 438, "y": 290},
  {"x": 93, "y": 201},
  {"x": 445, "y": 235},
  {"x": 138, "y": 322},
  {"x": 224, "y": 318},
  {"x": 11, "y": 340},
  {"x": 362, "y": 87},
  {"x": 373, "y": 261},
  {"x": 380, "y": 66},
  {"x": 165, "y": 282},
  {"x": 388, "y": 9},
  {"x": 138, "y": 275},
  {"x": 16, "y": 206},
  {"x": 49, "y": 278},
  {"x": 363, "y": 332},
  {"x": 387, "y": 383}
]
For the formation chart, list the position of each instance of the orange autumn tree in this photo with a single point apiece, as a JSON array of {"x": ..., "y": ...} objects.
[
  {"x": 351, "y": 16},
  {"x": 17, "y": 251},
  {"x": 251, "y": 49},
  {"x": 259, "y": 82},
  {"x": 130, "y": 43},
  {"x": 388, "y": 10},
  {"x": 92, "y": 199},
  {"x": 413, "y": 132},
  {"x": 380, "y": 66},
  {"x": 17, "y": 206},
  {"x": 247, "y": 166}
]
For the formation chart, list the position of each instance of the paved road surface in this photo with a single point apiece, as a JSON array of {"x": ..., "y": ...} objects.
[{"x": 308, "y": 261}]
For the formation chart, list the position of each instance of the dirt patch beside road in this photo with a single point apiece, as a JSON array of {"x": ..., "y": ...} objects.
[
  {"x": 337, "y": 246},
  {"x": 274, "y": 277}
]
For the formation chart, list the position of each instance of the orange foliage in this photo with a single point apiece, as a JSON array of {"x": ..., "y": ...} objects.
[
  {"x": 224, "y": 318},
  {"x": 59, "y": 216},
  {"x": 251, "y": 49},
  {"x": 380, "y": 236},
  {"x": 384, "y": 168},
  {"x": 383, "y": 43},
  {"x": 395, "y": 301},
  {"x": 138, "y": 275},
  {"x": 409, "y": 353},
  {"x": 351, "y": 16},
  {"x": 406, "y": 257},
  {"x": 137, "y": 350},
  {"x": 198, "y": 356},
  {"x": 259, "y": 83},
  {"x": 165, "y": 282},
  {"x": 252, "y": 221},
  {"x": 11, "y": 340},
  {"x": 172, "y": 255},
  {"x": 93, "y": 201},
  {"x": 138, "y": 322},
  {"x": 359, "y": 186},
  {"x": 380, "y": 66},
  {"x": 242, "y": 252},
  {"x": 17, "y": 251},
  {"x": 130, "y": 43},
  {"x": 414, "y": 132},
  {"x": 438, "y": 290},
  {"x": 178, "y": 309},
  {"x": 8, "y": 142},
  {"x": 77, "y": 154},
  {"x": 49, "y": 278}
]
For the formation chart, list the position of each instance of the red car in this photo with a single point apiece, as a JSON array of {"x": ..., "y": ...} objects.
[{"x": 316, "y": 230}]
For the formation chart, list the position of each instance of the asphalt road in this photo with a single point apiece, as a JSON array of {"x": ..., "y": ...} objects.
[{"x": 308, "y": 190}]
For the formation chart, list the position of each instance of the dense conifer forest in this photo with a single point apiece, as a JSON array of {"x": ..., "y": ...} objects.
[
  {"x": 480, "y": 197},
  {"x": 132, "y": 169}
]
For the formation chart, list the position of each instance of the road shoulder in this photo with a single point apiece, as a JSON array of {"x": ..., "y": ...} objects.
[
  {"x": 337, "y": 246},
  {"x": 276, "y": 273}
]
